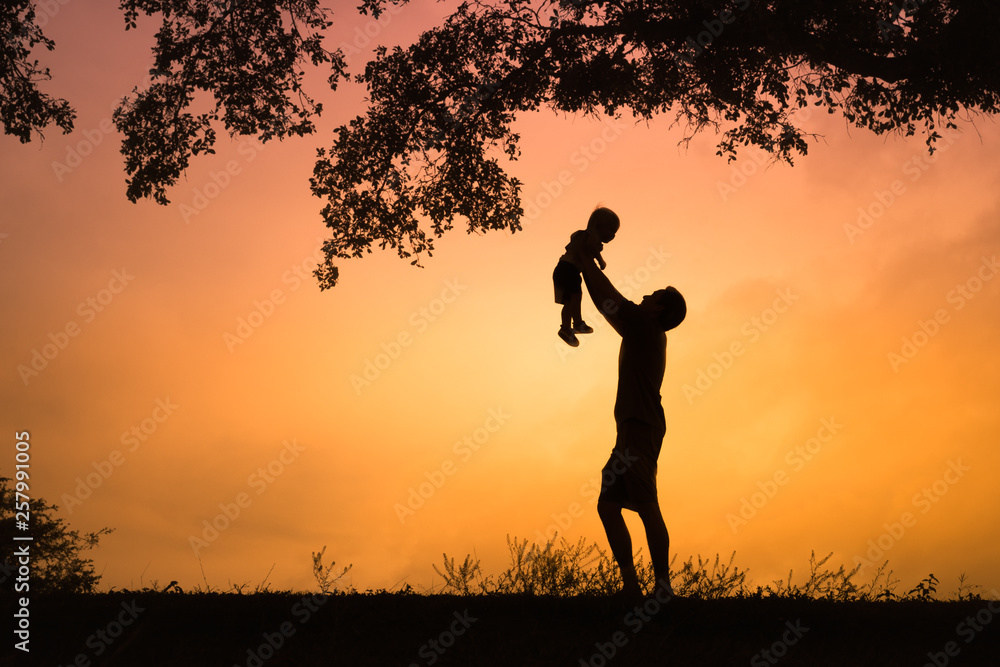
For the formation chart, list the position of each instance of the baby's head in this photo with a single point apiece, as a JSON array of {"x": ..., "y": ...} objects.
[{"x": 604, "y": 223}]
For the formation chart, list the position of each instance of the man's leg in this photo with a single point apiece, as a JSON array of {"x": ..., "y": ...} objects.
[
  {"x": 659, "y": 542},
  {"x": 621, "y": 544}
]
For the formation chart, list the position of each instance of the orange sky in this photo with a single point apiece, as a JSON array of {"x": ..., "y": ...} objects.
[{"x": 833, "y": 388}]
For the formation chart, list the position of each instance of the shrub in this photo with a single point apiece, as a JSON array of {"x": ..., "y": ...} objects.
[{"x": 57, "y": 560}]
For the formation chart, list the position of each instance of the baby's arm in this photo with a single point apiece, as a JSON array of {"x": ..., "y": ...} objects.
[{"x": 595, "y": 247}]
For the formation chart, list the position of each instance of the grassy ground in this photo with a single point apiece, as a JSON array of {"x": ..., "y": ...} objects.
[
  {"x": 153, "y": 629},
  {"x": 551, "y": 606}
]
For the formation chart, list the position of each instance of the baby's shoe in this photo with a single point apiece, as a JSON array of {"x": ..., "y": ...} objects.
[
  {"x": 582, "y": 327},
  {"x": 567, "y": 335}
]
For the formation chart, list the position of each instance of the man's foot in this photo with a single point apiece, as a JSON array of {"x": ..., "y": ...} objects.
[
  {"x": 662, "y": 590},
  {"x": 582, "y": 327},
  {"x": 663, "y": 595},
  {"x": 627, "y": 599},
  {"x": 567, "y": 335},
  {"x": 629, "y": 596}
]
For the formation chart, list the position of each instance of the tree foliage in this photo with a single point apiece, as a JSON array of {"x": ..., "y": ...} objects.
[
  {"x": 433, "y": 145},
  {"x": 441, "y": 110},
  {"x": 24, "y": 108},
  {"x": 246, "y": 54},
  {"x": 57, "y": 560}
]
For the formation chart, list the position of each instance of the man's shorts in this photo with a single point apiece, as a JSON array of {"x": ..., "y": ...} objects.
[
  {"x": 567, "y": 281},
  {"x": 629, "y": 477}
]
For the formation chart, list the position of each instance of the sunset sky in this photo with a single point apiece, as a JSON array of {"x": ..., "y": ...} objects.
[{"x": 833, "y": 389}]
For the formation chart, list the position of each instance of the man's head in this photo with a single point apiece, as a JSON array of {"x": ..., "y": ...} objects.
[
  {"x": 667, "y": 305},
  {"x": 605, "y": 223}
]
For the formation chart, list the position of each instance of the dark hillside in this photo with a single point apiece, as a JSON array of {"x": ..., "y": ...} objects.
[{"x": 284, "y": 629}]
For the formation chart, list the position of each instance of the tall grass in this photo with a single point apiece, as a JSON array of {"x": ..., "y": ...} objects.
[
  {"x": 566, "y": 568},
  {"x": 563, "y": 568}
]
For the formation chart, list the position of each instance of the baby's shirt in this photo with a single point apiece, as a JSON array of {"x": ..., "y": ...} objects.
[{"x": 591, "y": 242}]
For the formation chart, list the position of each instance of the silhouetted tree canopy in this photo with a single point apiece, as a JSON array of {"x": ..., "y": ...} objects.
[
  {"x": 58, "y": 564},
  {"x": 431, "y": 147},
  {"x": 23, "y": 107},
  {"x": 247, "y": 54}
]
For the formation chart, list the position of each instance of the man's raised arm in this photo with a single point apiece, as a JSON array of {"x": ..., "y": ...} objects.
[{"x": 604, "y": 295}]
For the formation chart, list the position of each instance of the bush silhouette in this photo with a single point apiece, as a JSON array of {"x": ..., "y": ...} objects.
[
  {"x": 57, "y": 560},
  {"x": 567, "y": 568}
]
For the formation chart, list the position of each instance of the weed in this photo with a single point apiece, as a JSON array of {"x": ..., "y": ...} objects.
[
  {"x": 925, "y": 589},
  {"x": 966, "y": 591},
  {"x": 569, "y": 569},
  {"x": 463, "y": 578},
  {"x": 724, "y": 579},
  {"x": 881, "y": 587},
  {"x": 822, "y": 584},
  {"x": 323, "y": 574}
]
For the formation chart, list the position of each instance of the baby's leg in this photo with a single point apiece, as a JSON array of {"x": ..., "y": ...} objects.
[
  {"x": 567, "y": 314},
  {"x": 570, "y": 313},
  {"x": 573, "y": 306}
]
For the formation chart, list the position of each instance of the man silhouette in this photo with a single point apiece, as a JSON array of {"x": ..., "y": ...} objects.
[{"x": 628, "y": 480}]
